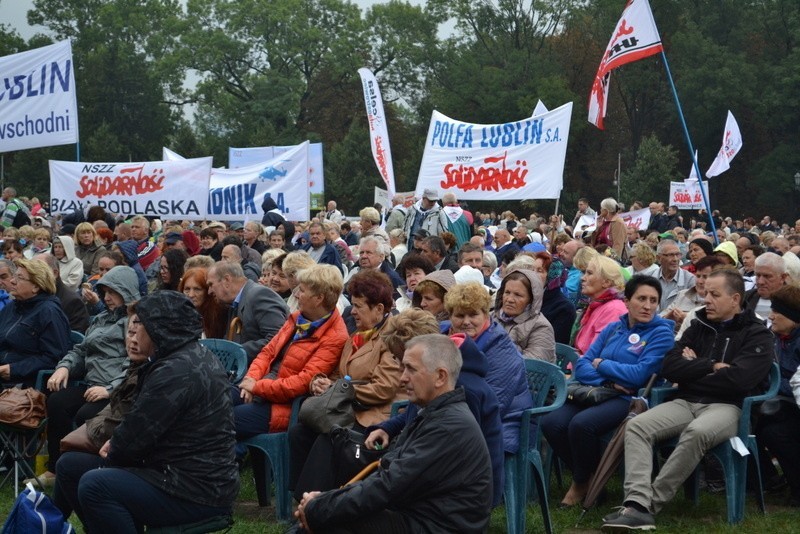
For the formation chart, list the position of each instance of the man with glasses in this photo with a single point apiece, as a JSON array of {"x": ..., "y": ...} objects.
[{"x": 673, "y": 279}]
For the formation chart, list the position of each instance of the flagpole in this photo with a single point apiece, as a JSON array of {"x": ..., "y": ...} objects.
[{"x": 691, "y": 148}]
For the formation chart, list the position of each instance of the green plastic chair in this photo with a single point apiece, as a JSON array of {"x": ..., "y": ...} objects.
[
  {"x": 566, "y": 355},
  {"x": 734, "y": 465},
  {"x": 275, "y": 468},
  {"x": 543, "y": 378},
  {"x": 231, "y": 354}
]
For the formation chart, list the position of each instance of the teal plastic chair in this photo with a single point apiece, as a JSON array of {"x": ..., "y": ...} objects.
[
  {"x": 275, "y": 467},
  {"x": 543, "y": 378},
  {"x": 231, "y": 354},
  {"x": 734, "y": 465},
  {"x": 566, "y": 355}
]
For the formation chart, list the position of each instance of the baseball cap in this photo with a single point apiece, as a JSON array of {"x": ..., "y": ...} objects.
[
  {"x": 430, "y": 194},
  {"x": 172, "y": 238}
]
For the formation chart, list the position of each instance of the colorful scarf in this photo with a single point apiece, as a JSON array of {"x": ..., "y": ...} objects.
[
  {"x": 360, "y": 338},
  {"x": 304, "y": 328}
]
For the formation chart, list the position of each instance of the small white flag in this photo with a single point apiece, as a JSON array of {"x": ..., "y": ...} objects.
[
  {"x": 731, "y": 144},
  {"x": 693, "y": 172}
]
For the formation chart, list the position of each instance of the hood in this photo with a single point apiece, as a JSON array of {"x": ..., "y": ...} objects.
[
  {"x": 129, "y": 250},
  {"x": 537, "y": 290},
  {"x": 268, "y": 204},
  {"x": 444, "y": 278},
  {"x": 124, "y": 281},
  {"x": 191, "y": 241},
  {"x": 473, "y": 359},
  {"x": 69, "y": 247},
  {"x": 170, "y": 320},
  {"x": 729, "y": 249}
]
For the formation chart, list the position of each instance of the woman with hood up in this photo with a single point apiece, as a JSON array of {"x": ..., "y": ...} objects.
[
  {"x": 272, "y": 214},
  {"x": 70, "y": 266},
  {"x": 99, "y": 361},
  {"x": 518, "y": 310}
]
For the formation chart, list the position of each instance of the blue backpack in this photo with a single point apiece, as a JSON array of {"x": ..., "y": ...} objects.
[{"x": 33, "y": 512}]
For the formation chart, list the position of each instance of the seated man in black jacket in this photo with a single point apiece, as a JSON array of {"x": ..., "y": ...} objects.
[
  {"x": 437, "y": 477},
  {"x": 724, "y": 356}
]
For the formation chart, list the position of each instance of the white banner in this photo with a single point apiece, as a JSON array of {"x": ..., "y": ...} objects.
[
  {"x": 639, "y": 219},
  {"x": 687, "y": 195},
  {"x": 382, "y": 197},
  {"x": 165, "y": 189},
  {"x": 634, "y": 38},
  {"x": 245, "y": 157},
  {"x": 38, "y": 106},
  {"x": 237, "y": 194},
  {"x": 378, "y": 131},
  {"x": 731, "y": 144},
  {"x": 512, "y": 161}
]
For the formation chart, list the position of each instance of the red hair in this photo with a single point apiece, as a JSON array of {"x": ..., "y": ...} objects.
[{"x": 213, "y": 313}]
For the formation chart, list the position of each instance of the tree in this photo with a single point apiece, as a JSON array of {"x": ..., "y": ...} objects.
[{"x": 653, "y": 170}]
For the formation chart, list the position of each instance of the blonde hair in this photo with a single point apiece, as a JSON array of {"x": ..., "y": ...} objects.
[
  {"x": 644, "y": 253},
  {"x": 370, "y": 214},
  {"x": 296, "y": 261},
  {"x": 41, "y": 274},
  {"x": 470, "y": 296},
  {"x": 322, "y": 279},
  {"x": 405, "y": 326},
  {"x": 43, "y": 232},
  {"x": 27, "y": 232},
  {"x": 583, "y": 257},
  {"x": 269, "y": 256},
  {"x": 608, "y": 269},
  {"x": 199, "y": 261},
  {"x": 84, "y": 227}
]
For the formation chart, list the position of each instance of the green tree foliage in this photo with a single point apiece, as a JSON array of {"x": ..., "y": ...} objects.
[{"x": 649, "y": 177}]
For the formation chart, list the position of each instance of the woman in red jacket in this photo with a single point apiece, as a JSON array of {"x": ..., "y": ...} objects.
[{"x": 309, "y": 343}]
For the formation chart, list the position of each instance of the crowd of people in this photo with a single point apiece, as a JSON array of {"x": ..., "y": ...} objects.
[{"x": 428, "y": 303}]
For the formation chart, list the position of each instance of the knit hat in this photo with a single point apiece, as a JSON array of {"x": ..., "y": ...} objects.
[
  {"x": 728, "y": 248},
  {"x": 785, "y": 301},
  {"x": 705, "y": 244}
]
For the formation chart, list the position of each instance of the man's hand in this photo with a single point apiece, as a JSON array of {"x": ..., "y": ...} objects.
[
  {"x": 688, "y": 354},
  {"x": 720, "y": 365},
  {"x": 300, "y": 514},
  {"x": 5, "y": 371},
  {"x": 377, "y": 440},
  {"x": 105, "y": 449}
]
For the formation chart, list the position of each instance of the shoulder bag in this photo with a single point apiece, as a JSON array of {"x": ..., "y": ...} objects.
[{"x": 23, "y": 408}]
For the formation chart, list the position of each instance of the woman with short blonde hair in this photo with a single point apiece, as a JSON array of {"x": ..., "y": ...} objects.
[{"x": 602, "y": 282}]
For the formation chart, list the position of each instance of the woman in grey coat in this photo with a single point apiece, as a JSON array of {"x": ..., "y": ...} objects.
[{"x": 99, "y": 362}]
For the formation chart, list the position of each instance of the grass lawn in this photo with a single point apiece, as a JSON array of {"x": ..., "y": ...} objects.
[{"x": 681, "y": 516}]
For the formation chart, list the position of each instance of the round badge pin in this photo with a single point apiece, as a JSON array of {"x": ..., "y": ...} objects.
[{"x": 633, "y": 339}]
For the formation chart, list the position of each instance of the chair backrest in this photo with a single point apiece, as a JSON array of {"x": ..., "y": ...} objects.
[
  {"x": 546, "y": 383},
  {"x": 747, "y": 404},
  {"x": 232, "y": 355},
  {"x": 75, "y": 337},
  {"x": 566, "y": 355}
]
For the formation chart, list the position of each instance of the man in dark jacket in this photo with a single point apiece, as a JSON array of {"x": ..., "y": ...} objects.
[
  {"x": 724, "y": 356},
  {"x": 318, "y": 247},
  {"x": 437, "y": 475},
  {"x": 272, "y": 213},
  {"x": 171, "y": 461}
]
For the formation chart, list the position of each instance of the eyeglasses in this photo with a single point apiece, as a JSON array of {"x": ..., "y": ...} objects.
[{"x": 20, "y": 279}]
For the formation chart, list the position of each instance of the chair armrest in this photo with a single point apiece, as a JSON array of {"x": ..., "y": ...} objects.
[
  {"x": 661, "y": 395},
  {"x": 397, "y": 406}
]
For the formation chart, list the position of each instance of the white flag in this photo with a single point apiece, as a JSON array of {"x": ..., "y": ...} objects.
[
  {"x": 540, "y": 109},
  {"x": 731, "y": 144},
  {"x": 634, "y": 38},
  {"x": 378, "y": 132}
]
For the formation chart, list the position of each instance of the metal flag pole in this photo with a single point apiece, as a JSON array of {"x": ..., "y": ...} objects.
[{"x": 691, "y": 147}]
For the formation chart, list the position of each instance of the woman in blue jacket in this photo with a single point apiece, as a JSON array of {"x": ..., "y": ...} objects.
[{"x": 623, "y": 356}]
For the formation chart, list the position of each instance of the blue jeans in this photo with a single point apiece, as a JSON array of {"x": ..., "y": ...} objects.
[
  {"x": 575, "y": 433},
  {"x": 117, "y": 500}
]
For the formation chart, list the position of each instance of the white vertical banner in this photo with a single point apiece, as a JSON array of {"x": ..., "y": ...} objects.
[
  {"x": 378, "y": 132},
  {"x": 38, "y": 103}
]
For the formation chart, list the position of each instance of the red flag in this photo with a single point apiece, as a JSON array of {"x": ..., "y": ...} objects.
[{"x": 634, "y": 38}]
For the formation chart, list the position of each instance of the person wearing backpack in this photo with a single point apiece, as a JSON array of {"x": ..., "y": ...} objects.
[{"x": 16, "y": 213}]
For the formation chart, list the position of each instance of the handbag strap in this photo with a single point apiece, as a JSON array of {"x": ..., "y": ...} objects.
[{"x": 28, "y": 412}]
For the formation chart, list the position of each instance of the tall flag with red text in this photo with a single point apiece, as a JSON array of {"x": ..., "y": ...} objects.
[
  {"x": 635, "y": 37},
  {"x": 731, "y": 144},
  {"x": 378, "y": 132}
]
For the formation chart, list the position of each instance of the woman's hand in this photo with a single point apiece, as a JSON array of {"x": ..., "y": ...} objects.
[
  {"x": 5, "y": 371},
  {"x": 89, "y": 296},
  {"x": 105, "y": 449},
  {"x": 377, "y": 440},
  {"x": 246, "y": 396},
  {"x": 59, "y": 379},
  {"x": 95, "y": 393},
  {"x": 247, "y": 384},
  {"x": 596, "y": 362},
  {"x": 320, "y": 385}
]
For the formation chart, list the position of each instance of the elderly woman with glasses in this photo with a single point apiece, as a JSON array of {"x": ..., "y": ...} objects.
[{"x": 34, "y": 332}]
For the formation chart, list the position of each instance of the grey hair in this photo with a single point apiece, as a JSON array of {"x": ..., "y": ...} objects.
[
  {"x": 663, "y": 243},
  {"x": 439, "y": 351},
  {"x": 8, "y": 264},
  {"x": 489, "y": 260},
  {"x": 770, "y": 260},
  {"x": 224, "y": 268},
  {"x": 609, "y": 204},
  {"x": 381, "y": 244}
]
